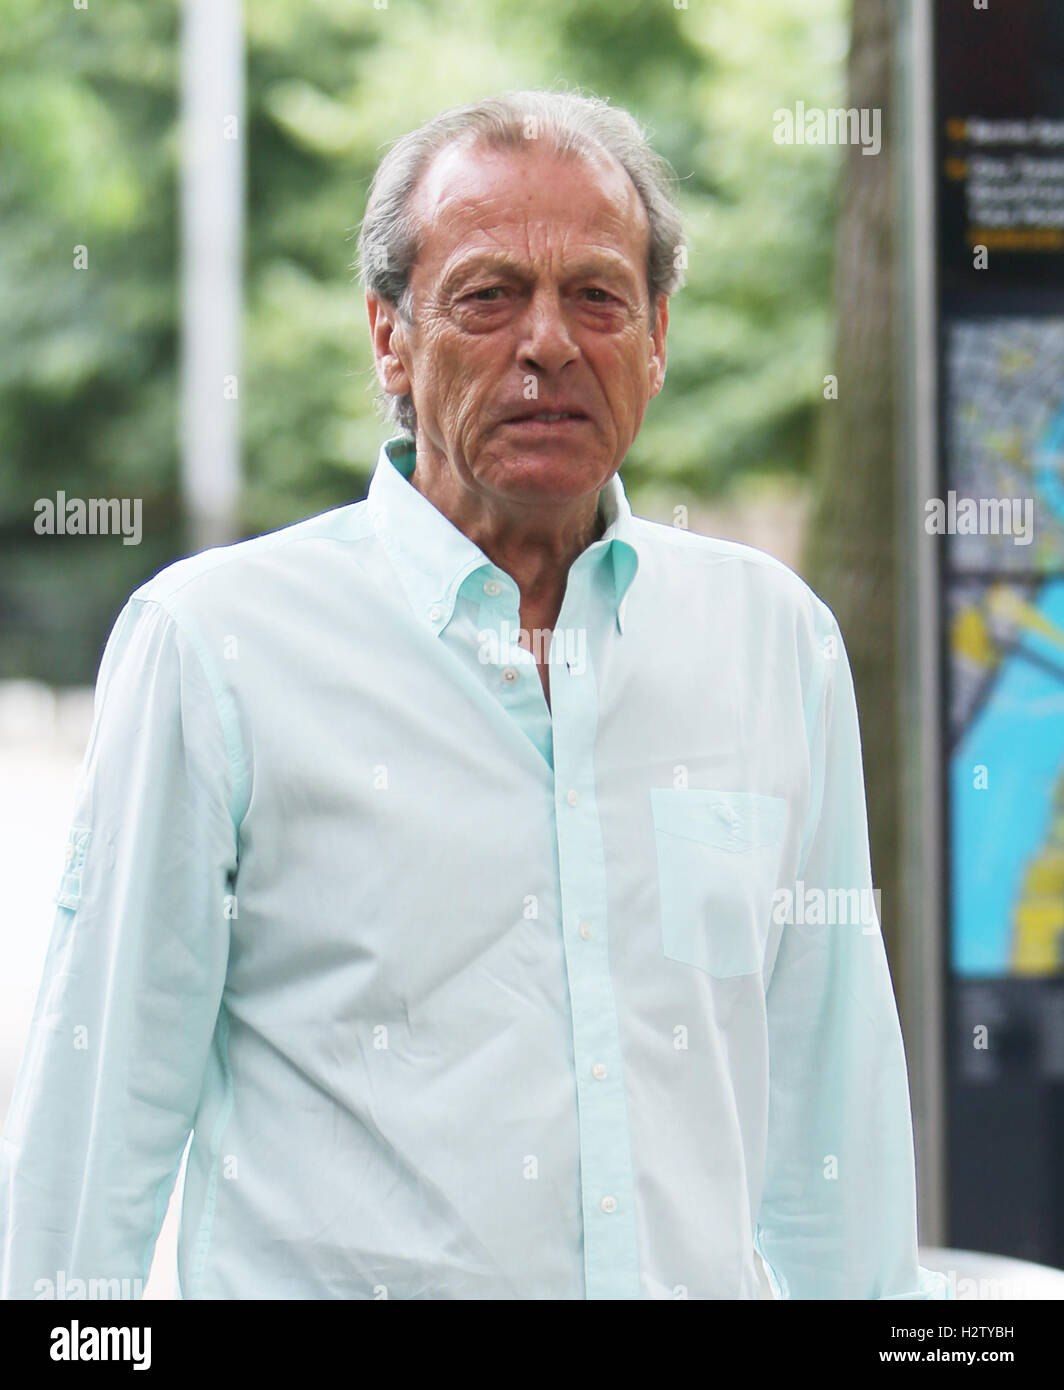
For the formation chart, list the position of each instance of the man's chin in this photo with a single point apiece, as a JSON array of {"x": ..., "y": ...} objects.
[{"x": 547, "y": 472}]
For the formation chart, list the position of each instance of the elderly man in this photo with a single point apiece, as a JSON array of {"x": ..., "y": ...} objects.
[{"x": 463, "y": 867}]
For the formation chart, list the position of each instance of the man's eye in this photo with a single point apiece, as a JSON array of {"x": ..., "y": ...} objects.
[
  {"x": 486, "y": 295},
  {"x": 595, "y": 290}
]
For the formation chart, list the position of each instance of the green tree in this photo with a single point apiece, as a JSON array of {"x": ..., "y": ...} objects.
[
  {"x": 88, "y": 375},
  {"x": 851, "y": 554}
]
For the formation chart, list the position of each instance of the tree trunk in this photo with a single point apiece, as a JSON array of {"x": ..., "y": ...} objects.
[{"x": 850, "y": 556}]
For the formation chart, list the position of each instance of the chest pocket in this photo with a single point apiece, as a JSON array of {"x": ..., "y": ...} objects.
[{"x": 718, "y": 857}]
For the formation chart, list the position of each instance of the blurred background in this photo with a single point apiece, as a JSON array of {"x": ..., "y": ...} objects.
[{"x": 180, "y": 192}]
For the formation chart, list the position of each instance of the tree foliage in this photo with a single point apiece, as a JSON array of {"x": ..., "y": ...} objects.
[{"x": 88, "y": 358}]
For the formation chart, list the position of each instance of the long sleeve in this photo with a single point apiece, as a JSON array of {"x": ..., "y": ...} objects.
[
  {"x": 838, "y": 1209},
  {"x": 108, "y": 1085}
]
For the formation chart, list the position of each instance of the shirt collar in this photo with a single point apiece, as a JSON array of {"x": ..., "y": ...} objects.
[{"x": 433, "y": 558}]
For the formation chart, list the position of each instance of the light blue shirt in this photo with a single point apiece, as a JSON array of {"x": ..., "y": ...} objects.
[{"x": 462, "y": 996}]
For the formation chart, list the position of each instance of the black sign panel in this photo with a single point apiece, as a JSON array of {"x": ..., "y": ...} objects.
[{"x": 999, "y": 118}]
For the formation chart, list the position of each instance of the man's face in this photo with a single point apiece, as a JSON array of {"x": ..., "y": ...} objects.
[{"x": 529, "y": 298}]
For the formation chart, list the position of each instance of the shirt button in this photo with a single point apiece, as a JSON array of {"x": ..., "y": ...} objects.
[
  {"x": 492, "y": 588},
  {"x": 572, "y": 797},
  {"x": 609, "y": 1204},
  {"x": 510, "y": 674},
  {"x": 585, "y": 930},
  {"x": 435, "y": 612},
  {"x": 598, "y": 1071}
]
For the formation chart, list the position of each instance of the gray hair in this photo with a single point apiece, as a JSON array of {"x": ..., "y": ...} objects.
[{"x": 573, "y": 124}]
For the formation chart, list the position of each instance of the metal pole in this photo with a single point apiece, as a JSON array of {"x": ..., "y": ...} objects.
[
  {"x": 923, "y": 947},
  {"x": 212, "y": 209}
]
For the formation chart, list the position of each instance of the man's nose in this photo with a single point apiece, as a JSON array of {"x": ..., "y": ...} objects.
[{"x": 546, "y": 342}]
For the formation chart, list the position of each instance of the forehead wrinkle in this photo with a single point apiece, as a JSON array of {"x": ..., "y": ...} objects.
[
  {"x": 603, "y": 221},
  {"x": 587, "y": 247},
  {"x": 491, "y": 213}
]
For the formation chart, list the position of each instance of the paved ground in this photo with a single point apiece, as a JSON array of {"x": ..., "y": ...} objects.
[{"x": 42, "y": 739}]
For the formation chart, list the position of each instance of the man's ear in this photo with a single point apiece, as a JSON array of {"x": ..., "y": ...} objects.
[
  {"x": 657, "y": 344},
  {"x": 387, "y": 331}
]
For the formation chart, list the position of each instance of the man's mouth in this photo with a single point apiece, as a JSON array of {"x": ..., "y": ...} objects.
[{"x": 546, "y": 417}]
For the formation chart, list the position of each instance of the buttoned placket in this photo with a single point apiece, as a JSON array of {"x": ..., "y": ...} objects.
[
  {"x": 611, "y": 1256},
  {"x": 514, "y": 674},
  {"x": 610, "y": 1240},
  {"x": 611, "y": 1260}
]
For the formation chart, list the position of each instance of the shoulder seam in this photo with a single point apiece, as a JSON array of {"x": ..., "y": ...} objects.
[{"x": 221, "y": 556}]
